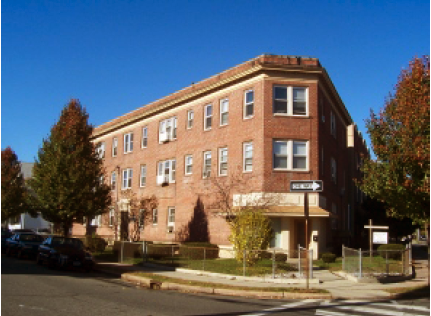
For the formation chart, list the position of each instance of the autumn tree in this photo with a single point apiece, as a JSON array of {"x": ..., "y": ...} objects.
[
  {"x": 400, "y": 136},
  {"x": 68, "y": 174},
  {"x": 14, "y": 194}
]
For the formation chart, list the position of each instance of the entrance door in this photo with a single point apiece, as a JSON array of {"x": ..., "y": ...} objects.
[
  {"x": 300, "y": 232},
  {"x": 276, "y": 227}
]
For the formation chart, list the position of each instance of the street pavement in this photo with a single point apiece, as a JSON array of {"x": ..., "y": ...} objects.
[{"x": 29, "y": 289}]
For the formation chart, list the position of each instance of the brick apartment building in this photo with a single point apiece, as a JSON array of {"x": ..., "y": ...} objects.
[{"x": 271, "y": 120}]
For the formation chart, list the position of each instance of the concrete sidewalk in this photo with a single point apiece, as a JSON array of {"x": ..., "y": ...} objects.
[{"x": 339, "y": 287}]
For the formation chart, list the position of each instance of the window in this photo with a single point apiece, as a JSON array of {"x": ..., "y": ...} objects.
[
  {"x": 155, "y": 216},
  {"x": 100, "y": 149},
  {"x": 127, "y": 178},
  {"x": 207, "y": 164},
  {"x": 114, "y": 147},
  {"x": 96, "y": 221},
  {"x": 290, "y": 155},
  {"x": 222, "y": 167},
  {"x": 333, "y": 125},
  {"x": 248, "y": 157},
  {"x": 141, "y": 218},
  {"x": 145, "y": 137},
  {"x": 143, "y": 181},
  {"x": 224, "y": 112},
  {"x": 188, "y": 164},
  {"x": 248, "y": 104},
  {"x": 290, "y": 100},
  {"x": 168, "y": 130},
  {"x": 333, "y": 170},
  {"x": 171, "y": 219},
  {"x": 166, "y": 171},
  {"x": 128, "y": 143},
  {"x": 113, "y": 180},
  {"x": 111, "y": 217},
  {"x": 190, "y": 117},
  {"x": 208, "y": 114}
]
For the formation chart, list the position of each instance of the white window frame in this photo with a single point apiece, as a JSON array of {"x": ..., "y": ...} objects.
[
  {"x": 111, "y": 219},
  {"x": 126, "y": 179},
  {"x": 144, "y": 137},
  {"x": 166, "y": 171},
  {"x": 333, "y": 170},
  {"x": 96, "y": 221},
  {"x": 171, "y": 217},
  {"x": 155, "y": 218},
  {"x": 168, "y": 129},
  {"x": 245, "y": 158},
  {"x": 290, "y": 101},
  {"x": 208, "y": 117},
  {"x": 100, "y": 150},
  {"x": 188, "y": 162},
  {"x": 113, "y": 180},
  {"x": 223, "y": 155},
  {"x": 290, "y": 154},
  {"x": 248, "y": 104},
  {"x": 143, "y": 177},
  {"x": 224, "y": 112},
  {"x": 190, "y": 118},
  {"x": 205, "y": 172},
  {"x": 141, "y": 219},
  {"x": 114, "y": 147},
  {"x": 128, "y": 143}
]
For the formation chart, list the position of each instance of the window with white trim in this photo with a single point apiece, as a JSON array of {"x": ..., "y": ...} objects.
[
  {"x": 222, "y": 162},
  {"x": 171, "y": 219},
  {"x": 247, "y": 157},
  {"x": 248, "y": 104},
  {"x": 188, "y": 163},
  {"x": 128, "y": 143},
  {"x": 290, "y": 100},
  {"x": 145, "y": 137},
  {"x": 208, "y": 115},
  {"x": 155, "y": 216},
  {"x": 207, "y": 164},
  {"x": 168, "y": 130},
  {"x": 111, "y": 216},
  {"x": 190, "y": 117},
  {"x": 114, "y": 147},
  {"x": 127, "y": 178},
  {"x": 224, "y": 112},
  {"x": 113, "y": 180},
  {"x": 141, "y": 218},
  {"x": 333, "y": 170},
  {"x": 143, "y": 179},
  {"x": 333, "y": 125},
  {"x": 96, "y": 221},
  {"x": 100, "y": 150},
  {"x": 290, "y": 155},
  {"x": 166, "y": 172}
]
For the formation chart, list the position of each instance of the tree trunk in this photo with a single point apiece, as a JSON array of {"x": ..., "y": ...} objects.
[{"x": 66, "y": 229}]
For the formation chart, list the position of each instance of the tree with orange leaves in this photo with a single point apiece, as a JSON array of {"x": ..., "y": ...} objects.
[{"x": 400, "y": 136}]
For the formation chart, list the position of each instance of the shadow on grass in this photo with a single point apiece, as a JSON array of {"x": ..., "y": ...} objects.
[{"x": 414, "y": 293}]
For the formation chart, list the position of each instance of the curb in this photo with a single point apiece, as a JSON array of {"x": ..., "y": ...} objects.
[{"x": 148, "y": 283}]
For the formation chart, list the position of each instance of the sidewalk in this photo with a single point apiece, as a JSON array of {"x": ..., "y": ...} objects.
[{"x": 338, "y": 287}]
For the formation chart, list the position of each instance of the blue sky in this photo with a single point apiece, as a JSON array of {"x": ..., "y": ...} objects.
[{"x": 118, "y": 55}]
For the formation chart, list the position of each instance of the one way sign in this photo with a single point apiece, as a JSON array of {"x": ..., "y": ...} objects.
[{"x": 306, "y": 186}]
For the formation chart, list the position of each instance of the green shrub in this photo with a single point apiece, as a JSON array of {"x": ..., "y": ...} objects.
[
  {"x": 328, "y": 257},
  {"x": 94, "y": 243},
  {"x": 159, "y": 252},
  {"x": 279, "y": 257},
  {"x": 195, "y": 250},
  {"x": 392, "y": 251}
]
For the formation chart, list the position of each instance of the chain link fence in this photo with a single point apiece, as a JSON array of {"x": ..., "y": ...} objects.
[
  {"x": 305, "y": 262},
  {"x": 376, "y": 263}
]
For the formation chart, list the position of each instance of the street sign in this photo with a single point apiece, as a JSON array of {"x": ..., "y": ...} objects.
[{"x": 306, "y": 186}]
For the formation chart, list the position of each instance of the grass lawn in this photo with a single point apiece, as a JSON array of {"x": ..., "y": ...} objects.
[
  {"x": 375, "y": 264},
  {"x": 160, "y": 278},
  {"x": 227, "y": 266}
]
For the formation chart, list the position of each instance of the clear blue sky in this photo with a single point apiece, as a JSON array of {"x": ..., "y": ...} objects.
[{"x": 118, "y": 55}]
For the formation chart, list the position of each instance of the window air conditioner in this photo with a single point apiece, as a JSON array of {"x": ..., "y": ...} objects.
[
  {"x": 170, "y": 229},
  {"x": 164, "y": 137},
  {"x": 165, "y": 179}
]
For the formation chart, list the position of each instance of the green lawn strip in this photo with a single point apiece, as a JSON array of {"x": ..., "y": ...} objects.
[
  {"x": 160, "y": 278},
  {"x": 414, "y": 289}
]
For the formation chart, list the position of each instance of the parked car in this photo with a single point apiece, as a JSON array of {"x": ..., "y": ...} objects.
[
  {"x": 62, "y": 252},
  {"x": 5, "y": 234},
  {"x": 23, "y": 244}
]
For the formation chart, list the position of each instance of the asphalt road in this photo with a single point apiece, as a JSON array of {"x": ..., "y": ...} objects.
[{"x": 29, "y": 289}]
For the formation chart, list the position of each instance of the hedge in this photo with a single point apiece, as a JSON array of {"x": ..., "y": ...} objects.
[
  {"x": 392, "y": 251},
  {"x": 94, "y": 243},
  {"x": 279, "y": 257},
  {"x": 328, "y": 257}
]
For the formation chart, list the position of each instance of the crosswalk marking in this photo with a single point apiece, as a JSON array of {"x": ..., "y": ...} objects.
[{"x": 282, "y": 307}]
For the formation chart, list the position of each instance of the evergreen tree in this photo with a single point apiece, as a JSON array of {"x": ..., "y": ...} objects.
[
  {"x": 13, "y": 191},
  {"x": 68, "y": 172}
]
